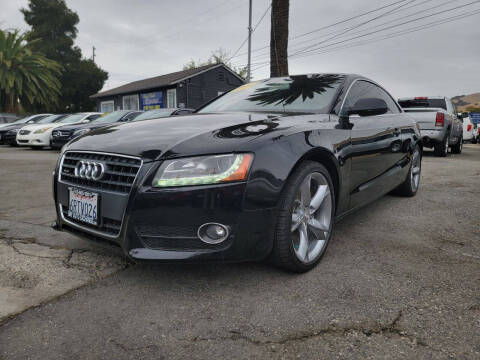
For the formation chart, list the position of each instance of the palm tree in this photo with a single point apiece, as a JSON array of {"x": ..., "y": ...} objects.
[
  {"x": 279, "y": 38},
  {"x": 27, "y": 79}
]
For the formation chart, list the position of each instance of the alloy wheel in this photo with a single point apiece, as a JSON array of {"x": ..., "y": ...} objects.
[
  {"x": 416, "y": 170},
  {"x": 311, "y": 217}
]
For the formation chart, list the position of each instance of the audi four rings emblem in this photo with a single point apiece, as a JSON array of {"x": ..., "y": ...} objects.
[{"x": 89, "y": 170}]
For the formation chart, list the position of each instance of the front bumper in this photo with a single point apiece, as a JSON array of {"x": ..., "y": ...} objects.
[
  {"x": 33, "y": 140},
  {"x": 9, "y": 139},
  {"x": 2, "y": 137},
  {"x": 59, "y": 141},
  {"x": 161, "y": 225}
]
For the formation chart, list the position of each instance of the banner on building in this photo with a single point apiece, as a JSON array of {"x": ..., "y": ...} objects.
[{"x": 153, "y": 100}]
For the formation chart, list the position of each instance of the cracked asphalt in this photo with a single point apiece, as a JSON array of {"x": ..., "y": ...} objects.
[{"x": 400, "y": 280}]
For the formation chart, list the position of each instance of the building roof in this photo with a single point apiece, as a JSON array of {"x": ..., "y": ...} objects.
[{"x": 160, "y": 81}]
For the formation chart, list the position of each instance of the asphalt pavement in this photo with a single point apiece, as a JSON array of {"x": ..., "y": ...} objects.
[{"x": 400, "y": 280}]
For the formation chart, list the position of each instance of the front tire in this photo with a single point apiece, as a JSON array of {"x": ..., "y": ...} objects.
[{"x": 305, "y": 220}]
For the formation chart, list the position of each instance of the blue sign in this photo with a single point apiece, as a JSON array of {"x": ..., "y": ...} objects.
[
  {"x": 153, "y": 100},
  {"x": 475, "y": 118}
]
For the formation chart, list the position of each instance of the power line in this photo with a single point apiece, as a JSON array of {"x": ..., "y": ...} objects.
[
  {"x": 313, "y": 48},
  {"x": 334, "y": 24},
  {"x": 199, "y": 19},
  {"x": 337, "y": 32},
  {"x": 364, "y": 23},
  {"x": 386, "y": 36},
  {"x": 399, "y": 33},
  {"x": 342, "y": 32}
]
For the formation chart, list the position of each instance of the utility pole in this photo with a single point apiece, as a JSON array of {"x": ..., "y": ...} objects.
[
  {"x": 93, "y": 55},
  {"x": 249, "y": 66}
]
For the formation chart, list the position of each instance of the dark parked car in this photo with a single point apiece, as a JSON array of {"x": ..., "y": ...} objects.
[
  {"x": 63, "y": 134},
  {"x": 17, "y": 125},
  {"x": 162, "y": 113},
  {"x": 262, "y": 171},
  {"x": 10, "y": 138}
]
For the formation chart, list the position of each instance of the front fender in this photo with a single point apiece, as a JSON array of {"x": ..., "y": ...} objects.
[{"x": 275, "y": 161}]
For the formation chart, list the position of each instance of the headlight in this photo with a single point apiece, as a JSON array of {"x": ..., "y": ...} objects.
[
  {"x": 201, "y": 170},
  {"x": 42, "y": 130},
  {"x": 80, "y": 132}
]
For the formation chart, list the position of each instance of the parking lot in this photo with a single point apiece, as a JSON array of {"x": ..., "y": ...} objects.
[{"x": 400, "y": 280}]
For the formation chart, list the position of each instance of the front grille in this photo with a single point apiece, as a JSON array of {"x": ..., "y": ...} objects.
[
  {"x": 61, "y": 133},
  {"x": 106, "y": 225},
  {"x": 24, "y": 132},
  {"x": 120, "y": 171}
]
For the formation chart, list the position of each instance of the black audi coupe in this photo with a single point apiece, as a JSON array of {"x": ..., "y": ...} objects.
[{"x": 262, "y": 171}]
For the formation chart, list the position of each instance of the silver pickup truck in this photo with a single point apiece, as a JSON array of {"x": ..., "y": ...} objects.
[{"x": 438, "y": 121}]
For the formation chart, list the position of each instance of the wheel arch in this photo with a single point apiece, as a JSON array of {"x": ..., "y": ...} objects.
[{"x": 327, "y": 159}]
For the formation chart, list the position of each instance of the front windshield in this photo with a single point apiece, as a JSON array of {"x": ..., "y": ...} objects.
[
  {"x": 303, "y": 93},
  {"x": 112, "y": 117},
  {"x": 24, "y": 120},
  {"x": 153, "y": 114},
  {"x": 72, "y": 119},
  {"x": 49, "y": 119},
  {"x": 18, "y": 121}
]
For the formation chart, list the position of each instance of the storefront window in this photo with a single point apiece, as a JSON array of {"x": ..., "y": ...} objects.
[
  {"x": 130, "y": 102},
  {"x": 172, "y": 98},
  {"x": 106, "y": 106}
]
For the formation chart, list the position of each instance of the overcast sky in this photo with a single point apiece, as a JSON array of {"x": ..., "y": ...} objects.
[{"x": 144, "y": 38}]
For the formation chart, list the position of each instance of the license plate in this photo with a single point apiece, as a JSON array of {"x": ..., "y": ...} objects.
[{"x": 83, "y": 206}]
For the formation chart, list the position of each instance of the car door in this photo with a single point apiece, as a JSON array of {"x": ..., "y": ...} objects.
[{"x": 376, "y": 145}]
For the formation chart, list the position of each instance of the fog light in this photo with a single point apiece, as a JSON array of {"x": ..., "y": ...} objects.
[{"x": 213, "y": 233}]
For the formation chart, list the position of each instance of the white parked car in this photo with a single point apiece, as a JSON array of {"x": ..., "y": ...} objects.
[
  {"x": 470, "y": 131},
  {"x": 38, "y": 136}
]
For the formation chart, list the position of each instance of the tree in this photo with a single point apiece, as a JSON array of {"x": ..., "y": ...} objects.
[
  {"x": 219, "y": 56},
  {"x": 54, "y": 29},
  {"x": 88, "y": 79},
  {"x": 279, "y": 38},
  {"x": 27, "y": 79}
]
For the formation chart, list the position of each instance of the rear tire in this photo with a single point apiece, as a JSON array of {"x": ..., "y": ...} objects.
[
  {"x": 410, "y": 186},
  {"x": 457, "y": 148},
  {"x": 305, "y": 219},
  {"x": 441, "y": 149}
]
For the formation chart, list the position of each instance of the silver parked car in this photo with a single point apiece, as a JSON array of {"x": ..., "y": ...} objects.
[{"x": 438, "y": 121}]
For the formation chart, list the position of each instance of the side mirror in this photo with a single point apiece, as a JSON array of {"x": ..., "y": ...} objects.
[
  {"x": 369, "y": 107},
  {"x": 86, "y": 121},
  {"x": 31, "y": 122}
]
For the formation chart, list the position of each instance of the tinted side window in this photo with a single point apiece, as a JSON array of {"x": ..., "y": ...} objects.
[
  {"x": 364, "y": 89},
  {"x": 93, "y": 117}
]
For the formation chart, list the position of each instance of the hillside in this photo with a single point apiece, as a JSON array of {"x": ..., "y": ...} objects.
[{"x": 463, "y": 102}]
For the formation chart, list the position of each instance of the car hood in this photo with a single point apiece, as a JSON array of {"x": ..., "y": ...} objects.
[
  {"x": 41, "y": 126},
  {"x": 73, "y": 127},
  {"x": 192, "y": 135},
  {"x": 12, "y": 127}
]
